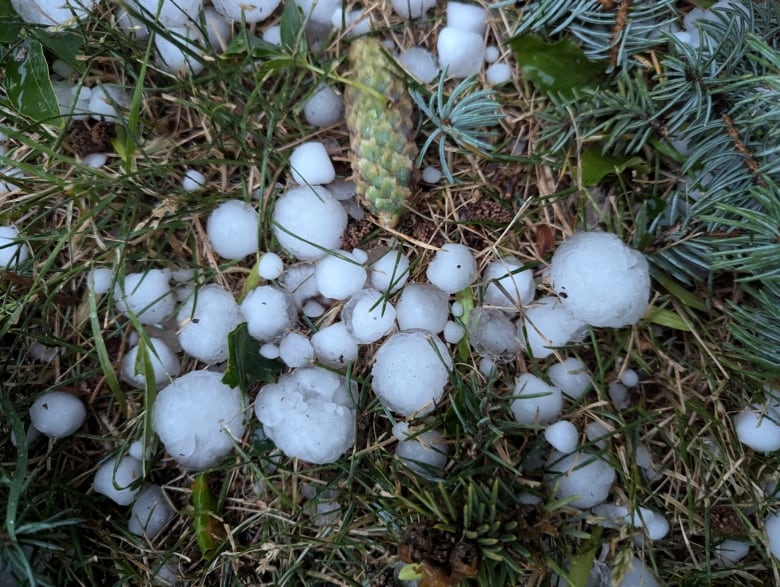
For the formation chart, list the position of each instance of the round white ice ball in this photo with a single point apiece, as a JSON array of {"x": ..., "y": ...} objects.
[
  {"x": 295, "y": 350},
  {"x": 151, "y": 512},
  {"x": 205, "y": 320},
  {"x": 460, "y": 52},
  {"x": 498, "y": 73},
  {"x": 334, "y": 345},
  {"x": 164, "y": 364},
  {"x": 270, "y": 266},
  {"x": 492, "y": 334},
  {"x": 562, "y": 436},
  {"x": 424, "y": 454},
  {"x": 310, "y": 164},
  {"x": 759, "y": 428},
  {"x": 57, "y": 414},
  {"x": 410, "y": 371},
  {"x": 324, "y": 108},
  {"x": 12, "y": 252},
  {"x": 422, "y": 306},
  {"x": 339, "y": 275},
  {"x": 571, "y": 377},
  {"x": 600, "y": 280},
  {"x": 178, "y": 50},
  {"x": 247, "y": 11},
  {"x": 170, "y": 13},
  {"x": 508, "y": 285},
  {"x": 147, "y": 295},
  {"x": 453, "y": 268},
  {"x": 308, "y": 222},
  {"x": 466, "y": 17},
  {"x": 115, "y": 477},
  {"x": 53, "y": 12},
  {"x": 390, "y": 271},
  {"x": 308, "y": 414},
  {"x": 193, "y": 180},
  {"x": 232, "y": 229},
  {"x": 586, "y": 477},
  {"x": 547, "y": 325},
  {"x": 421, "y": 63},
  {"x": 772, "y": 527},
  {"x": 198, "y": 418},
  {"x": 269, "y": 311},
  {"x": 368, "y": 316},
  {"x": 535, "y": 401}
]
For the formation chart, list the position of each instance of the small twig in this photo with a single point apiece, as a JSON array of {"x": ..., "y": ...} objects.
[{"x": 621, "y": 21}]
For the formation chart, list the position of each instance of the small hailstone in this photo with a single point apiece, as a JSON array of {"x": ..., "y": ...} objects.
[
  {"x": 629, "y": 378},
  {"x": 269, "y": 311},
  {"x": 13, "y": 252},
  {"x": 410, "y": 371},
  {"x": 412, "y": 8},
  {"x": 308, "y": 222},
  {"x": 296, "y": 350},
  {"x": 183, "y": 275},
  {"x": 618, "y": 395},
  {"x": 42, "y": 353},
  {"x": 600, "y": 280},
  {"x": 218, "y": 29},
  {"x": 637, "y": 575},
  {"x": 487, "y": 367},
  {"x": 498, "y": 73},
  {"x": 177, "y": 53},
  {"x": 298, "y": 280},
  {"x": 170, "y": 14},
  {"x": 772, "y": 528},
  {"x": 457, "y": 309},
  {"x": 586, "y": 477},
  {"x": 562, "y": 436},
  {"x": 431, "y": 175},
  {"x": 360, "y": 255},
  {"x": 95, "y": 160},
  {"x": 424, "y": 454},
  {"x": 269, "y": 350},
  {"x": 368, "y": 316},
  {"x": 5, "y": 185},
  {"x": 460, "y": 52},
  {"x": 535, "y": 401},
  {"x": 310, "y": 164},
  {"x": 270, "y": 266},
  {"x": 759, "y": 428},
  {"x": 99, "y": 280},
  {"x": 57, "y": 414},
  {"x": 453, "y": 268},
  {"x": 309, "y": 414},
  {"x": 164, "y": 364},
  {"x": 324, "y": 108},
  {"x": 597, "y": 433},
  {"x": 422, "y": 306},
  {"x": 390, "y": 271},
  {"x": 136, "y": 450},
  {"x": 273, "y": 35},
  {"x": 53, "y": 12},
  {"x": 491, "y": 54},
  {"x": 339, "y": 275},
  {"x": 453, "y": 332},
  {"x": 334, "y": 345},
  {"x": 232, "y": 229},
  {"x": 148, "y": 295},
  {"x": 508, "y": 285},
  {"x": 355, "y": 22},
  {"x": 205, "y": 320},
  {"x": 109, "y": 101},
  {"x": 115, "y": 477},
  {"x": 246, "y": 11},
  {"x": 318, "y": 11},
  {"x": 131, "y": 25},
  {"x": 547, "y": 324},
  {"x": 421, "y": 63},
  {"x": 193, "y": 180},
  {"x": 729, "y": 552},
  {"x": 313, "y": 309},
  {"x": 151, "y": 512},
  {"x": 492, "y": 334},
  {"x": 645, "y": 462},
  {"x": 571, "y": 377},
  {"x": 466, "y": 17},
  {"x": 342, "y": 190},
  {"x": 198, "y": 419}
]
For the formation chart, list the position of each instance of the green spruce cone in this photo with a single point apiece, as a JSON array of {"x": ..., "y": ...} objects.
[{"x": 379, "y": 117}]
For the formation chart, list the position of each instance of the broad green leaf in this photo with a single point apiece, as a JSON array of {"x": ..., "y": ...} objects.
[
  {"x": 582, "y": 563},
  {"x": 28, "y": 84},
  {"x": 291, "y": 25},
  {"x": 10, "y": 23},
  {"x": 668, "y": 318},
  {"x": 597, "y": 165},
  {"x": 559, "y": 67},
  {"x": 410, "y": 572},
  {"x": 65, "y": 45},
  {"x": 245, "y": 365},
  {"x": 678, "y": 291}
]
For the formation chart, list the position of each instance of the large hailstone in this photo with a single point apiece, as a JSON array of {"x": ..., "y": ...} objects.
[
  {"x": 368, "y": 316},
  {"x": 600, "y": 280},
  {"x": 269, "y": 311},
  {"x": 308, "y": 414},
  {"x": 232, "y": 229},
  {"x": 164, "y": 364},
  {"x": 308, "y": 222},
  {"x": 410, "y": 371},
  {"x": 340, "y": 275},
  {"x": 586, "y": 477},
  {"x": 508, "y": 285},
  {"x": 759, "y": 427},
  {"x": 57, "y": 414},
  {"x": 390, "y": 270},
  {"x": 170, "y": 13},
  {"x": 53, "y": 12},
  {"x": 147, "y": 295},
  {"x": 198, "y": 418},
  {"x": 534, "y": 400},
  {"x": 151, "y": 512},
  {"x": 547, "y": 325},
  {"x": 453, "y": 268},
  {"x": 424, "y": 453},
  {"x": 492, "y": 334},
  {"x": 422, "y": 306},
  {"x": 116, "y": 477},
  {"x": 205, "y": 320}
]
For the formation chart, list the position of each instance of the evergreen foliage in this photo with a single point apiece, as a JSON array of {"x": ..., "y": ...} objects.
[{"x": 709, "y": 116}]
